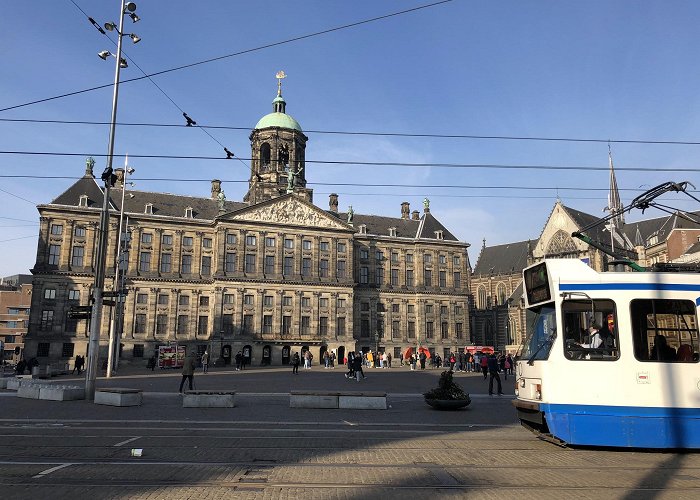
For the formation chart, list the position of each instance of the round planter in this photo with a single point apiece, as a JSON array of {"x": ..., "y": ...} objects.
[{"x": 448, "y": 404}]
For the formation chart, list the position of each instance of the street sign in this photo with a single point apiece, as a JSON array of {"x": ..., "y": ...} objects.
[
  {"x": 109, "y": 303},
  {"x": 79, "y": 315}
]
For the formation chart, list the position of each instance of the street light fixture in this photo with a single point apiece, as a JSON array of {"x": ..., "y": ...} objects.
[{"x": 101, "y": 254}]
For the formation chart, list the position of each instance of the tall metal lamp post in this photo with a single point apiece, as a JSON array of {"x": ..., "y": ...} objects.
[{"x": 108, "y": 178}]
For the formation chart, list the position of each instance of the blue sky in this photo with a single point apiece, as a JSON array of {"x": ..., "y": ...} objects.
[{"x": 618, "y": 70}]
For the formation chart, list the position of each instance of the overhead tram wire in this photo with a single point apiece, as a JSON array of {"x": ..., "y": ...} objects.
[
  {"x": 92, "y": 21},
  {"x": 487, "y": 166},
  {"x": 234, "y": 54},
  {"x": 375, "y": 134}
]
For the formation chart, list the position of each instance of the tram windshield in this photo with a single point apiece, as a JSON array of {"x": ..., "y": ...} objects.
[{"x": 542, "y": 328}]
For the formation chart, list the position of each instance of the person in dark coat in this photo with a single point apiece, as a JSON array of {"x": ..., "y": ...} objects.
[
  {"x": 295, "y": 363},
  {"x": 492, "y": 363},
  {"x": 188, "y": 371},
  {"x": 421, "y": 358},
  {"x": 357, "y": 366}
]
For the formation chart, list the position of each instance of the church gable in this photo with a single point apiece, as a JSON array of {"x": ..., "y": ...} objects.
[
  {"x": 556, "y": 235},
  {"x": 290, "y": 211}
]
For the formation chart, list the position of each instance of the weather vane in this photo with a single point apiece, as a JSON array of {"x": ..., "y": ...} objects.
[{"x": 280, "y": 76}]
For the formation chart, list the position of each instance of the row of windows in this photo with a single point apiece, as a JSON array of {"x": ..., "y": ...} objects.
[
  {"x": 427, "y": 257},
  {"x": 409, "y": 278},
  {"x": 396, "y": 332},
  {"x": 248, "y": 299},
  {"x": 410, "y": 309}
]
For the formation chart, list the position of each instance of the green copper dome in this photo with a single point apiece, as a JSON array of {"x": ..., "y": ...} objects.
[{"x": 281, "y": 120}]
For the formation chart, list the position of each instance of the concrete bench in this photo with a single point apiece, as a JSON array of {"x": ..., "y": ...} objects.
[
  {"x": 338, "y": 400},
  {"x": 118, "y": 397},
  {"x": 13, "y": 383},
  {"x": 29, "y": 390},
  {"x": 56, "y": 392},
  {"x": 209, "y": 399}
]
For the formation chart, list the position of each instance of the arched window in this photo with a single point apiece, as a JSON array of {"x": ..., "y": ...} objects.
[
  {"x": 561, "y": 244},
  {"x": 501, "y": 294},
  {"x": 265, "y": 155},
  {"x": 481, "y": 298}
]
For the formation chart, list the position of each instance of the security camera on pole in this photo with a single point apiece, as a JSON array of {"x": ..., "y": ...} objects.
[{"x": 108, "y": 178}]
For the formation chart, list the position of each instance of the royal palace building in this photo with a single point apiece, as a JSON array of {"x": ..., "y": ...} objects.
[{"x": 269, "y": 275}]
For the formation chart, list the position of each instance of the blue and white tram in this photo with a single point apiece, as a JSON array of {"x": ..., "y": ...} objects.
[{"x": 640, "y": 387}]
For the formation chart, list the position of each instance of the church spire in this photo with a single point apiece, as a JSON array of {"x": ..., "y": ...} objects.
[
  {"x": 614, "y": 202},
  {"x": 278, "y": 104}
]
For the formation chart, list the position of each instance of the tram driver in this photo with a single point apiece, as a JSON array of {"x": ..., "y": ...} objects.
[{"x": 595, "y": 338}]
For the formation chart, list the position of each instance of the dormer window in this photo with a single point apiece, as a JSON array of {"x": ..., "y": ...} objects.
[
  {"x": 363, "y": 229},
  {"x": 188, "y": 213},
  {"x": 83, "y": 201},
  {"x": 149, "y": 209},
  {"x": 438, "y": 235},
  {"x": 392, "y": 231}
]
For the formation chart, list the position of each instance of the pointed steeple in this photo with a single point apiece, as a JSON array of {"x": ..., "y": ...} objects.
[{"x": 614, "y": 202}]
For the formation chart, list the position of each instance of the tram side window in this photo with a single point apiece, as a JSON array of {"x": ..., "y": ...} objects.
[
  {"x": 541, "y": 332},
  {"x": 664, "y": 330},
  {"x": 590, "y": 330}
]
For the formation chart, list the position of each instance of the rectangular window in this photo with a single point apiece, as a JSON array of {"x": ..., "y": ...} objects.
[
  {"x": 140, "y": 323},
  {"x": 443, "y": 310},
  {"x": 593, "y": 337},
  {"x": 305, "y": 325},
  {"x": 323, "y": 325},
  {"x": 458, "y": 310},
  {"x": 206, "y": 265},
  {"x": 364, "y": 328},
  {"x": 163, "y": 299},
  {"x": 267, "y": 323},
  {"x": 444, "y": 330},
  {"x": 269, "y": 264},
  {"x": 395, "y": 331},
  {"x": 455, "y": 260},
  {"x": 409, "y": 277},
  {"x": 42, "y": 349},
  {"x": 427, "y": 258},
  {"x": 228, "y": 324},
  {"x": 340, "y": 326},
  {"x": 206, "y": 242},
  {"x": 250, "y": 263},
  {"x": 138, "y": 350},
  {"x": 379, "y": 276},
  {"x": 394, "y": 277},
  {"x": 428, "y": 309},
  {"x": 664, "y": 330},
  {"x": 288, "y": 266},
  {"x": 409, "y": 257},
  {"x": 146, "y": 238},
  {"x": 54, "y": 254},
  {"x": 442, "y": 259},
  {"x": 287, "y": 300},
  {"x": 167, "y": 239},
  {"x": 459, "y": 330},
  {"x": 340, "y": 269},
  {"x": 268, "y": 301},
  {"x": 56, "y": 229},
  {"x": 427, "y": 277},
  {"x": 394, "y": 256},
  {"x": 79, "y": 231},
  {"x": 364, "y": 306},
  {"x": 248, "y": 300},
  {"x": 379, "y": 256},
  {"x": 230, "y": 262},
  {"x": 323, "y": 268},
  {"x": 364, "y": 275},
  {"x": 341, "y": 247},
  {"x": 395, "y": 308},
  {"x": 457, "y": 279},
  {"x": 187, "y": 241},
  {"x": 165, "y": 261},
  {"x": 442, "y": 279},
  {"x": 230, "y": 239},
  {"x": 411, "y": 308},
  {"x": 142, "y": 298},
  {"x": 182, "y": 321},
  {"x": 46, "y": 320},
  {"x": 145, "y": 262},
  {"x": 184, "y": 300},
  {"x": 251, "y": 240},
  {"x": 202, "y": 325},
  {"x": 77, "y": 259},
  {"x": 74, "y": 295},
  {"x": 288, "y": 243},
  {"x": 306, "y": 244},
  {"x": 204, "y": 301},
  {"x": 247, "y": 324},
  {"x": 305, "y": 302},
  {"x": 228, "y": 298},
  {"x": 286, "y": 325},
  {"x": 269, "y": 242},
  {"x": 429, "y": 330},
  {"x": 323, "y": 246},
  {"x": 186, "y": 265},
  {"x": 306, "y": 266},
  {"x": 50, "y": 293},
  {"x": 341, "y": 303},
  {"x": 323, "y": 302},
  {"x": 162, "y": 324}
]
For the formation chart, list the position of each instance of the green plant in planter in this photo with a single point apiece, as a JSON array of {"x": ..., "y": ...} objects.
[{"x": 447, "y": 389}]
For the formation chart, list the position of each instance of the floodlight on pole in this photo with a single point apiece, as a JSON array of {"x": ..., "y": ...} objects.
[{"x": 101, "y": 254}]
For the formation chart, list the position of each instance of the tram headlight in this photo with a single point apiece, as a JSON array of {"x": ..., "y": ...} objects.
[
  {"x": 538, "y": 391},
  {"x": 517, "y": 392},
  {"x": 522, "y": 382}
]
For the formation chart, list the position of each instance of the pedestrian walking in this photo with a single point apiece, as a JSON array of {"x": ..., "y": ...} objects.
[
  {"x": 188, "y": 371},
  {"x": 492, "y": 364},
  {"x": 349, "y": 362},
  {"x": 357, "y": 366},
  {"x": 413, "y": 362},
  {"x": 239, "y": 360},
  {"x": 388, "y": 360},
  {"x": 295, "y": 363},
  {"x": 205, "y": 362},
  {"x": 151, "y": 363},
  {"x": 422, "y": 357}
]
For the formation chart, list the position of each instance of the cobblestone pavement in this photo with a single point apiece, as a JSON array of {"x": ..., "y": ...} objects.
[{"x": 263, "y": 449}]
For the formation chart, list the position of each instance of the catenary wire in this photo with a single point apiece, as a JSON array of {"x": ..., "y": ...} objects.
[
  {"x": 381, "y": 134},
  {"x": 233, "y": 54}
]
